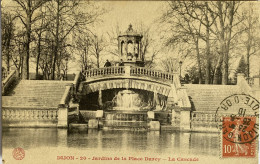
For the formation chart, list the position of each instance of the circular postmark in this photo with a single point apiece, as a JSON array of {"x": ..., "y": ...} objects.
[
  {"x": 239, "y": 130},
  {"x": 238, "y": 116},
  {"x": 18, "y": 153}
]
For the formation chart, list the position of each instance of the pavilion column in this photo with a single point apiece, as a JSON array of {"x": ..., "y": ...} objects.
[
  {"x": 140, "y": 51},
  {"x": 126, "y": 48},
  {"x": 120, "y": 47},
  {"x": 156, "y": 101},
  {"x": 100, "y": 97}
]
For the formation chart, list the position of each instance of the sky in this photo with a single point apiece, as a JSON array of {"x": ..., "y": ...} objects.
[
  {"x": 126, "y": 12},
  {"x": 123, "y": 13}
]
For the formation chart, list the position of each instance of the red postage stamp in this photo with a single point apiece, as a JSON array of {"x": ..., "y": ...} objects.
[
  {"x": 238, "y": 136},
  {"x": 18, "y": 153}
]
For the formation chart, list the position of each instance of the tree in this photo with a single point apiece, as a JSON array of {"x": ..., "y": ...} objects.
[
  {"x": 112, "y": 46},
  {"x": 98, "y": 46},
  {"x": 241, "y": 68},
  {"x": 83, "y": 45},
  {"x": 8, "y": 28},
  {"x": 25, "y": 13},
  {"x": 204, "y": 23},
  {"x": 250, "y": 39},
  {"x": 39, "y": 40},
  {"x": 194, "y": 75},
  {"x": 62, "y": 27},
  {"x": 149, "y": 48},
  {"x": 69, "y": 18},
  {"x": 188, "y": 20},
  {"x": 224, "y": 26},
  {"x": 169, "y": 64}
]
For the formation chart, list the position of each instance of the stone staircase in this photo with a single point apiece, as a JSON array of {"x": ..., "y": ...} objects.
[
  {"x": 35, "y": 94},
  {"x": 206, "y": 98}
]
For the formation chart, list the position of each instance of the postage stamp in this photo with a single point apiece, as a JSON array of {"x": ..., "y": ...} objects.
[
  {"x": 238, "y": 136},
  {"x": 238, "y": 116}
]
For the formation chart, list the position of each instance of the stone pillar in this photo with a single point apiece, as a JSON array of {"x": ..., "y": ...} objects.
[
  {"x": 240, "y": 78},
  {"x": 100, "y": 97},
  {"x": 63, "y": 117},
  {"x": 175, "y": 120},
  {"x": 150, "y": 115},
  {"x": 154, "y": 98},
  {"x": 154, "y": 125},
  {"x": 257, "y": 81},
  {"x": 156, "y": 101},
  {"x": 185, "y": 120},
  {"x": 172, "y": 97},
  {"x": 243, "y": 84},
  {"x": 174, "y": 115},
  {"x": 127, "y": 71}
]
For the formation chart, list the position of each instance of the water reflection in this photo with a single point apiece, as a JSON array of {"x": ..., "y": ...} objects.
[{"x": 127, "y": 141}]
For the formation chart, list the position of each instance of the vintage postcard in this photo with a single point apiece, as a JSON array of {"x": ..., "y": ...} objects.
[{"x": 130, "y": 81}]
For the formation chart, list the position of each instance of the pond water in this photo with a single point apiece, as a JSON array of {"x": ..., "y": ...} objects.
[
  {"x": 153, "y": 141},
  {"x": 49, "y": 143}
]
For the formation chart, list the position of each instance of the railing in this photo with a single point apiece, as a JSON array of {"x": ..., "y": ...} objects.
[
  {"x": 250, "y": 80},
  {"x": 204, "y": 121},
  {"x": 4, "y": 74},
  {"x": 105, "y": 71},
  {"x": 76, "y": 81},
  {"x": 8, "y": 81},
  {"x": 66, "y": 97},
  {"x": 19, "y": 114},
  {"x": 207, "y": 120},
  {"x": 142, "y": 71},
  {"x": 183, "y": 98},
  {"x": 133, "y": 71},
  {"x": 125, "y": 116}
]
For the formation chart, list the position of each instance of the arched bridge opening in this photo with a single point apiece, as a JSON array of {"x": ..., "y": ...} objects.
[{"x": 126, "y": 88}]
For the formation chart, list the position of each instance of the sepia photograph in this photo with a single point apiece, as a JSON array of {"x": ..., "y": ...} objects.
[{"x": 143, "y": 81}]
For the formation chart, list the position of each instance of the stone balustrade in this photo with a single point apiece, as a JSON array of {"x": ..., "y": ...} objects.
[
  {"x": 128, "y": 124},
  {"x": 105, "y": 71},
  {"x": 204, "y": 121},
  {"x": 66, "y": 96},
  {"x": 7, "y": 81},
  {"x": 12, "y": 114},
  {"x": 134, "y": 71},
  {"x": 4, "y": 74},
  {"x": 76, "y": 81},
  {"x": 207, "y": 121},
  {"x": 250, "y": 81},
  {"x": 254, "y": 81},
  {"x": 125, "y": 116},
  {"x": 142, "y": 71}
]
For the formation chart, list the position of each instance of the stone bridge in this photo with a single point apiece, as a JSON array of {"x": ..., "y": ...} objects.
[
  {"x": 128, "y": 77},
  {"x": 165, "y": 86},
  {"x": 132, "y": 77}
]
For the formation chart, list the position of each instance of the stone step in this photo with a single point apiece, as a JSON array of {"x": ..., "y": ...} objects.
[
  {"x": 125, "y": 124},
  {"x": 78, "y": 126},
  {"x": 36, "y": 93},
  {"x": 10, "y": 101},
  {"x": 208, "y": 97}
]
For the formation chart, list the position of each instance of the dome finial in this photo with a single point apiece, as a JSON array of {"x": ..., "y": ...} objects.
[{"x": 130, "y": 28}]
